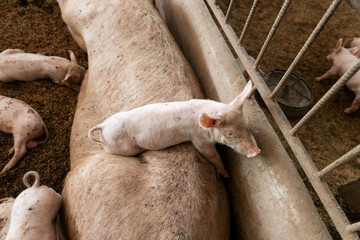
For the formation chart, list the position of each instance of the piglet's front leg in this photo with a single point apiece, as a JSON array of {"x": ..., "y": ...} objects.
[
  {"x": 328, "y": 74},
  {"x": 354, "y": 106},
  {"x": 208, "y": 150}
]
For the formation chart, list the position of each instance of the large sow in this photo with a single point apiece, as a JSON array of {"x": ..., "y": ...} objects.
[{"x": 168, "y": 194}]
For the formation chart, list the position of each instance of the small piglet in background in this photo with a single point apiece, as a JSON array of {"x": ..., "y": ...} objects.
[
  {"x": 34, "y": 214},
  {"x": 16, "y": 65},
  {"x": 352, "y": 43},
  {"x": 25, "y": 124},
  {"x": 355, "y": 4},
  {"x": 343, "y": 59},
  {"x": 160, "y": 125}
]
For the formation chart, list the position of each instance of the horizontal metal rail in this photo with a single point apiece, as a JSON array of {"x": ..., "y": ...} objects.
[
  {"x": 355, "y": 152},
  {"x": 341, "y": 222}
]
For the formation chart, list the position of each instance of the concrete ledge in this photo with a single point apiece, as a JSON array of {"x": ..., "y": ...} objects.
[{"x": 268, "y": 198}]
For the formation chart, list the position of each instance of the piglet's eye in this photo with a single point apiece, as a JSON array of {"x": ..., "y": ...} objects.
[{"x": 229, "y": 134}]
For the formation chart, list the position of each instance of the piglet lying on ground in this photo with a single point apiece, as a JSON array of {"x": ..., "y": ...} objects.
[
  {"x": 343, "y": 59},
  {"x": 160, "y": 125},
  {"x": 5, "y": 211},
  {"x": 16, "y": 65},
  {"x": 34, "y": 214},
  {"x": 24, "y": 123}
]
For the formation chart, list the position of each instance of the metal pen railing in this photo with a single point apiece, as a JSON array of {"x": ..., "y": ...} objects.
[{"x": 337, "y": 215}]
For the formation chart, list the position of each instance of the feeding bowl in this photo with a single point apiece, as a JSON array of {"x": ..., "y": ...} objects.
[{"x": 295, "y": 97}]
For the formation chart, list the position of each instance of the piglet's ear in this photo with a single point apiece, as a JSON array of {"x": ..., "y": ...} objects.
[
  {"x": 239, "y": 101},
  {"x": 338, "y": 44},
  {"x": 72, "y": 57},
  {"x": 67, "y": 76},
  {"x": 209, "y": 122}
]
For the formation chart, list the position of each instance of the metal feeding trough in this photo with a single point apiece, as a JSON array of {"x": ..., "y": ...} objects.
[{"x": 295, "y": 97}]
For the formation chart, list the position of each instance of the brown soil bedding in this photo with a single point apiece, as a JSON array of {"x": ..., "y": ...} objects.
[{"x": 36, "y": 26}]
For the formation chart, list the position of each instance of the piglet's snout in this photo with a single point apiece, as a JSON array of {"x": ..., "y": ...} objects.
[
  {"x": 249, "y": 147},
  {"x": 253, "y": 152}
]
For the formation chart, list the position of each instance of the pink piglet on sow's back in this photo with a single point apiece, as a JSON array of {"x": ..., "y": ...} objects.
[{"x": 160, "y": 125}]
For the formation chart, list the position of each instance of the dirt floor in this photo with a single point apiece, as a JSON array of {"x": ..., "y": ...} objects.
[{"x": 35, "y": 26}]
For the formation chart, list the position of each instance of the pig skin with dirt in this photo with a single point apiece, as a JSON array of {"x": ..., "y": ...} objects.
[
  {"x": 343, "y": 59},
  {"x": 167, "y": 194},
  {"x": 5, "y": 211},
  {"x": 16, "y": 65},
  {"x": 24, "y": 123},
  {"x": 34, "y": 214},
  {"x": 160, "y": 125}
]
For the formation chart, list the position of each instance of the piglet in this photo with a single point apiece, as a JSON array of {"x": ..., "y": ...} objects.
[
  {"x": 24, "y": 123},
  {"x": 5, "y": 211},
  {"x": 34, "y": 214},
  {"x": 160, "y": 125},
  {"x": 16, "y": 65},
  {"x": 352, "y": 43},
  {"x": 355, "y": 4},
  {"x": 343, "y": 59}
]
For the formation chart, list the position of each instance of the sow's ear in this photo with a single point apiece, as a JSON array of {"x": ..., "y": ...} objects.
[
  {"x": 239, "y": 101},
  {"x": 209, "y": 122}
]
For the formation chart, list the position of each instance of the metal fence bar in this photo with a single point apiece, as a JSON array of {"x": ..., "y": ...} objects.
[
  {"x": 353, "y": 153},
  {"x": 248, "y": 21},
  {"x": 231, "y": 5},
  {"x": 330, "y": 11},
  {"x": 326, "y": 196},
  {"x": 333, "y": 90},
  {"x": 272, "y": 32},
  {"x": 354, "y": 227}
]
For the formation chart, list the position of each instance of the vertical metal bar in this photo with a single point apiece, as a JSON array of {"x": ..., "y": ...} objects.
[
  {"x": 333, "y": 90},
  {"x": 272, "y": 31},
  {"x": 355, "y": 152},
  {"x": 229, "y": 10},
  {"x": 307, "y": 44},
  {"x": 248, "y": 21}
]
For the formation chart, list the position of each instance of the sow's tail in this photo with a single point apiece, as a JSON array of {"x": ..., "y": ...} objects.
[{"x": 97, "y": 127}]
